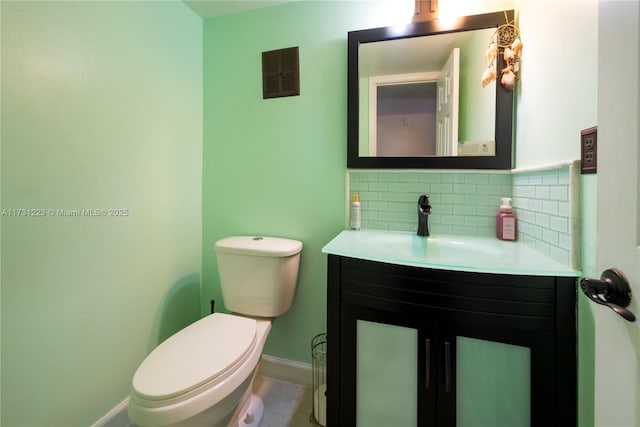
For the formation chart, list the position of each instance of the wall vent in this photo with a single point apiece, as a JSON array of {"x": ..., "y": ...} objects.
[{"x": 280, "y": 73}]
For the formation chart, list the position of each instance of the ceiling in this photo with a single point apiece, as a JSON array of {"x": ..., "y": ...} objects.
[{"x": 210, "y": 8}]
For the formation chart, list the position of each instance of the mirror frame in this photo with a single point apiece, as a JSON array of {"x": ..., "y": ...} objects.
[{"x": 504, "y": 98}]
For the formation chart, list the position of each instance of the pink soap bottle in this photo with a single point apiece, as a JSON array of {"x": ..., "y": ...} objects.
[{"x": 506, "y": 221}]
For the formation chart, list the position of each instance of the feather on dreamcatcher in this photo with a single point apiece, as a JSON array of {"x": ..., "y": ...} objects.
[{"x": 506, "y": 42}]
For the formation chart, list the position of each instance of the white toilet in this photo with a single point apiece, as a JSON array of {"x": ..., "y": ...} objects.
[{"x": 202, "y": 375}]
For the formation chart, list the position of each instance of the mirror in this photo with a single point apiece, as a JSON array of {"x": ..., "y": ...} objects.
[{"x": 415, "y": 99}]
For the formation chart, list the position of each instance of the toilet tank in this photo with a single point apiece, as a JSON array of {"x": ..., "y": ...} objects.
[{"x": 258, "y": 275}]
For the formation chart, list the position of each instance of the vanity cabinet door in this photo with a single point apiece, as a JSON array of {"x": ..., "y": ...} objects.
[
  {"x": 492, "y": 384},
  {"x": 509, "y": 377},
  {"x": 384, "y": 380},
  {"x": 386, "y": 375}
]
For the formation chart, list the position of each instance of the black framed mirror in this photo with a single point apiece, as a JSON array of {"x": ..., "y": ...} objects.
[{"x": 393, "y": 97}]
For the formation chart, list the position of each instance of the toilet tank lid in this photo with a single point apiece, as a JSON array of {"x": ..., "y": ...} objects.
[{"x": 259, "y": 246}]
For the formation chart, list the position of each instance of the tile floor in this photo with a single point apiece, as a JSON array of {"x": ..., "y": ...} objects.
[{"x": 286, "y": 404}]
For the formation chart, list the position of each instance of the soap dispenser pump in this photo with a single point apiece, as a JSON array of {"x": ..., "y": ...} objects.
[{"x": 506, "y": 221}]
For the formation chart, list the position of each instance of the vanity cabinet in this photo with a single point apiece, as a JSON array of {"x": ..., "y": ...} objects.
[{"x": 413, "y": 346}]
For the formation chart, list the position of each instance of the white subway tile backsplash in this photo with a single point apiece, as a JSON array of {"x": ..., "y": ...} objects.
[
  {"x": 550, "y": 178},
  {"x": 559, "y": 192},
  {"x": 542, "y": 220},
  {"x": 454, "y": 178},
  {"x": 559, "y": 224},
  {"x": 550, "y": 236},
  {"x": 359, "y": 186},
  {"x": 564, "y": 175},
  {"x": 535, "y": 232},
  {"x": 535, "y": 205},
  {"x": 442, "y": 188},
  {"x": 466, "y": 203},
  {"x": 378, "y": 186},
  {"x": 543, "y": 203},
  {"x": 452, "y": 198},
  {"x": 550, "y": 206},
  {"x": 463, "y": 203},
  {"x": 542, "y": 192},
  {"x": 398, "y": 187}
]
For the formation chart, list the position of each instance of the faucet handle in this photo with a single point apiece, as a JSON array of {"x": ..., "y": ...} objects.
[
  {"x": 424, "y": 210},
  {"x": 423, "y": 204}
]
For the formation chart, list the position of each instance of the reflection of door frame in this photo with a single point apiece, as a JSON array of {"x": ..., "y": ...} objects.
[
  {"x": 447, "y": 106},
  {"x": 374, "y": 82}
]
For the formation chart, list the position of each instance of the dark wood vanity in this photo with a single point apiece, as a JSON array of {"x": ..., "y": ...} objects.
[
  {"x": 438, "y": 332},
  {"x": 537, "y": 313}
]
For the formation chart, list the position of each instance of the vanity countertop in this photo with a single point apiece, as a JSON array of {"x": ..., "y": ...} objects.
[{"x": 459, "y": 253}]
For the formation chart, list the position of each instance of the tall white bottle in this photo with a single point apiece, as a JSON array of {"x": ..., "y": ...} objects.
[{"x": 355, "y": 214}]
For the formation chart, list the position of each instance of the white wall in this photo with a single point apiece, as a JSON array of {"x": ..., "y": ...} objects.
[{"x": 557, "y": 93}]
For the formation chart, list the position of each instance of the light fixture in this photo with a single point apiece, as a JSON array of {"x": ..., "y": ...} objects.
[{"x": 425, "y": 10}]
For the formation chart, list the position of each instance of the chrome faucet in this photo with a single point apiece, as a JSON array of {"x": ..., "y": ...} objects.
[{"x": 424, "y": 210}]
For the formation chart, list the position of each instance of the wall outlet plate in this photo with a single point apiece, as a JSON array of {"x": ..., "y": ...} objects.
[{"x": 589, "y": 150}]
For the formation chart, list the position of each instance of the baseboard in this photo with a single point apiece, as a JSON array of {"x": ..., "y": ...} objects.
[
  {"x": 116, "y": 417},
  {"x": 285, "y": 370}
]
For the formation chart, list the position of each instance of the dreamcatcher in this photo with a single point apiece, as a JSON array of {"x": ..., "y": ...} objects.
[{"x": 506, "y": 42}]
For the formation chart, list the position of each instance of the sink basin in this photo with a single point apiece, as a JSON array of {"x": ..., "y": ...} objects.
[
  {"x": 441, "y": 249},
  {"x": 461, "y": 253}
]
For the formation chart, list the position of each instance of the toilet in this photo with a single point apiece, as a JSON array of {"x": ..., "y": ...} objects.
[{"x": 203, "y": 374}]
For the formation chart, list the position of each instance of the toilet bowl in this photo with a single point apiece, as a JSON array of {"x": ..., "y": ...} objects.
[
  {"x": 198, "y": 376},
  {"x": 202, "y": 375}
]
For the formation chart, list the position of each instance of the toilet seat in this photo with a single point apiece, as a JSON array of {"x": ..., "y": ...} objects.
[
  {"x": 150, "y": 404},
  {"x": 196, "y": 358}
]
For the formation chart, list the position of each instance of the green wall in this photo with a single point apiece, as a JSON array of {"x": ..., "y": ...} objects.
[
  {"x": 101, "y": 108},
  {"x": 277, "y": 166}
]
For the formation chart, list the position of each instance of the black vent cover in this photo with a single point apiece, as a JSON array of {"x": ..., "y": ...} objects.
[{"x": 280, "y": 73}]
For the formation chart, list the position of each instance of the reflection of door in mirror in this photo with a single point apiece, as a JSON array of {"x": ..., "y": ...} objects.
[
  {"x": 391, "y": 67},
  {"x": 415, "y": 115},
  {"x": 403, "y": 115},
  {"x": 447, "y": 115}
]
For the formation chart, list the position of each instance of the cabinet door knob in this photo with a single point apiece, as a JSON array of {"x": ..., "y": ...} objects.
[{"x": 611, "y": 290}]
